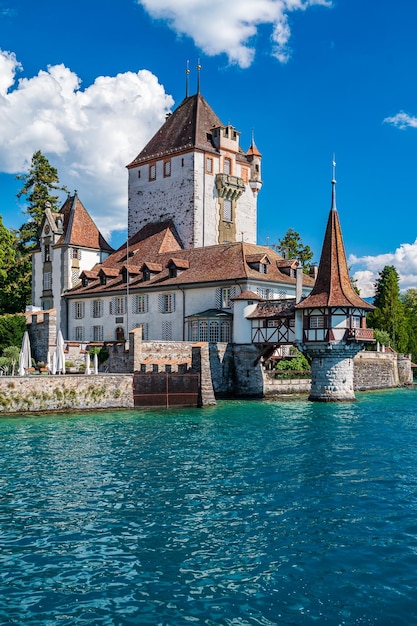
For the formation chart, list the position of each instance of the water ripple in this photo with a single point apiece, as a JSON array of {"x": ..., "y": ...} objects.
[{"x": 244, "y": 514}]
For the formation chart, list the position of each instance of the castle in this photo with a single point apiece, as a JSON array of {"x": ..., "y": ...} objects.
[{"x": 191, "y": 270}]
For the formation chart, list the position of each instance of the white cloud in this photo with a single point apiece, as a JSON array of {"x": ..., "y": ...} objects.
[
  {"x": 88, "y": 135},
  {"x": 404, "y": 260},
  {"x": 230, "y": 27},
  {"x": 402, "y": 121}
]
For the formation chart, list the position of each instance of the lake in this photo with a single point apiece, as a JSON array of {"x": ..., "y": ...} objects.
[{"x": 248, "y": 513}]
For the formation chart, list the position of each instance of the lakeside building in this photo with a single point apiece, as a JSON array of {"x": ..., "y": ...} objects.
[{"x": 191, "y": 273}]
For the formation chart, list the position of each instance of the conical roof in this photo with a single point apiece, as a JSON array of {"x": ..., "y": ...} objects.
[
  {"x": 333, "y": 287},
  {"x": 188, "y": 127}
]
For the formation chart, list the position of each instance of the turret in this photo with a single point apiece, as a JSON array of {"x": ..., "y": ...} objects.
[
  {"x": 333, "y": 319},
  {"x": 254, "y": 157}
]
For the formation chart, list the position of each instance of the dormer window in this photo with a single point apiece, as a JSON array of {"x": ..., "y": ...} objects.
[
  {"x": 103, "y": 279},
  {"x": 84, "y": 280},
  {"x": 258, "y": 262},
  {"x": 176, "y": 266}
]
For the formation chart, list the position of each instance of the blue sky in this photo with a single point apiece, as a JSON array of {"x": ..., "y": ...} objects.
[{"x": 89, "y": 82}]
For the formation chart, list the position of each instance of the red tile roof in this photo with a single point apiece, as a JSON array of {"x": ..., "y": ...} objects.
[
  {"x": 79, "y": 228},
  {"x": 209, "y": 264},
  {"x": 188, "y": 127}
]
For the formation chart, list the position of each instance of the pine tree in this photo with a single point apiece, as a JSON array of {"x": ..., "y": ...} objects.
[
  {"x": 389, "y": 314},
  {"x": 292, "y": 247},
  {"x": 39, "y": 184},
  {"x": 410, "y": 307}
]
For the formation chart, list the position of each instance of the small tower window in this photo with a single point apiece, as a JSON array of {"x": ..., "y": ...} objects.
[
  {"x": 209, "y": 165},
  {"x": 167, "y": 168},
  {"x": 227, "y": 166},
  {"x": 152, "y": 171},
  {"x": 227, "y": 210}
]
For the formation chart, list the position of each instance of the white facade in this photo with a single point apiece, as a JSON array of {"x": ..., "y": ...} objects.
[{"x": 164, "y": 314}]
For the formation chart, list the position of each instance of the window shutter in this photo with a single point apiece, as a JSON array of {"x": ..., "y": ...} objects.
[
  {"x": 232, "y": 295},
  {"x": 161, "y": 303},
  {"x": 218, "y": 300}
]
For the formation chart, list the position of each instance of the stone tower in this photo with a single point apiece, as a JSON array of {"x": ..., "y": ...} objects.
[
  {"x": 194, "y": 173},
  {"x": 331, "y": 320}
]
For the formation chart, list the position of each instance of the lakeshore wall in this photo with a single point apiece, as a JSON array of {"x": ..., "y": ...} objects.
[
  {"x": 29, "y": 394},
  {"x": 371, "y": 371}
]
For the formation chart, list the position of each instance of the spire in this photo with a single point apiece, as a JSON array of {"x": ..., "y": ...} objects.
[
  {"x": 187, "y": 74},
  {"x": 253, "y": 150},
  {"x": 333, "y": 206},
  {"x": 198, "y": 81},
  {"x": 333, "y": 287}
]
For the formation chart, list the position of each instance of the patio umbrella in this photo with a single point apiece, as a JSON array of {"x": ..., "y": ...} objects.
[
  {"x": 95, "y": 361},
  {"x": 25, "y": 356},
  {"x": 60, "y": 356},
  {"x": 87, "y": 364},
  {"x": 53, "y": 364}
]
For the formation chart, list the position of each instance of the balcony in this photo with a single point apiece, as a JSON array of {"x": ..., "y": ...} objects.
[
  {"x": 229, "y": 187},
  {"x": 360, "y": 334}
]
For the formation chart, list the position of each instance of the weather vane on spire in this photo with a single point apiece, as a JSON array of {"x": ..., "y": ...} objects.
[
  {"x": 198, "y": 70},
  {"x": 334, "y": 182},
  {"x": 187, "y": 73}
]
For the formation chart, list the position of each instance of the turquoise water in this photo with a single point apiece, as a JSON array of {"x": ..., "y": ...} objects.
[{"x": 244, "y": 514}]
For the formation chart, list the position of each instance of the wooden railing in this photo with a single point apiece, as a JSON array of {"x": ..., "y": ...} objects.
[{"x": 360, "y": 334}]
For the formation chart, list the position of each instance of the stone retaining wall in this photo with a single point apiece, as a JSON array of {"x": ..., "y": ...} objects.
[
  {"x": 377, "y": 370},
  {"x": 281, "y": 386},
  {"x": 65, "y": 393}
]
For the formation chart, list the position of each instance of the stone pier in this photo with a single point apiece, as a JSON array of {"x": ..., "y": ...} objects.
[{"x": 332, "y": 373}]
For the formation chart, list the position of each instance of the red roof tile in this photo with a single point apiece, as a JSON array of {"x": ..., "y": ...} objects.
[{"x": 79, "y": 228}]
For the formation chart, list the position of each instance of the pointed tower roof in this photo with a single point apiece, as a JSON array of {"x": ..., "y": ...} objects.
[
  {"x": 253, "y": 150},
  {"x": 188, "y": 127},
  {"x": 79, "y": 228},
  {"x": 333, "y": 287}
]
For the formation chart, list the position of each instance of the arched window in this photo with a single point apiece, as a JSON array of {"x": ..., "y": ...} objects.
[{"x": 120, "y": 334}]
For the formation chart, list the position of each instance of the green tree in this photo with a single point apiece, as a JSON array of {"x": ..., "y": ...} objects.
[
  {"x": 389, "y": 314},
  {"x": 15, "y": 273},
  {"x": 12, "y": 329},
  {"x": 292, "y": 247},
  {"x": 12, "y": 354},
  {"x": 410, "y": 307},
  {"x": 39, "y": 185}
]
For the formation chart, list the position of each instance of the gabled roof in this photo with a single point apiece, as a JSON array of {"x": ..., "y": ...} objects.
[
  {"x": 188, "y": 127},
  {"x": 79, "y": 229},
  {"x": 333, "y": 287}
]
